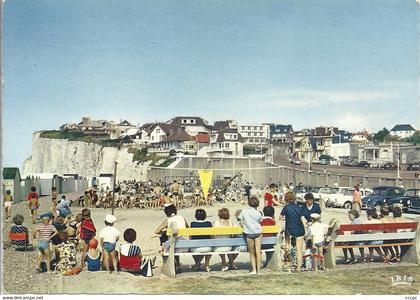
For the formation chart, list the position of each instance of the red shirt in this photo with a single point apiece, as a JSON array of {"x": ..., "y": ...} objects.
[
  {"x": 268, "y": 221},
  {"x": 268, "y": 199},
  {"x": 33, "y": 195}
]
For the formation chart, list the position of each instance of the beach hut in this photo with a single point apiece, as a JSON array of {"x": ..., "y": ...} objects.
[
  {"x": 105, "y": 181},
  {"x": 11, "y": 181}
]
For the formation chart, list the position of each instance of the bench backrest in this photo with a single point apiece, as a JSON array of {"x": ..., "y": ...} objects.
[
  {"x": 366, "y": 236},
  {"x": 214, "y": 231}
]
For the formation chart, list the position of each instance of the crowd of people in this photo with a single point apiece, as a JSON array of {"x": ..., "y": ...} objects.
[{"x": 60, "y": 234}]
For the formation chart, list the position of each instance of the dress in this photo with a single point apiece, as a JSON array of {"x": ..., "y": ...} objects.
[
  {"x": 67, "y": 254},
  {"x": 218, "y": 223}
]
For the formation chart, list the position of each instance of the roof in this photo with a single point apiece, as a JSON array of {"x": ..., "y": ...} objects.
[
  {"x": 148, "y": 127},
  {"x": 221, "y": 136},
  {"x": 403, "y": 127},
  {"x": 325, "y": 131},
  {"x": 179, "y": 135},
  {"x": 220, "y": 125},
  {"x": 177, "y": 121},
  {"x": 202, "y": 138},
  {"x": 106, "y": 175},
  {"x": 10, "y": 173},
  {"x": 125, "y": 123},
  {"x": 279, "y": 128}
]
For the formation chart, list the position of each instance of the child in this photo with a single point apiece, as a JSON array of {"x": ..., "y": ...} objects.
[
  {"x": 354, "y": 216},
  {"x": 109, "y": 237},
  {"x": 73, "y": 228},
  {"x": 93, "y": 256},
  {"x": 130, "y": 254},
  {"x": 250, "y": 220},
  {"x": 268, "y": 220},
  {"x": 386, "y": 218},
  {"x": 308, "y": 256},
  {"x": 318, "y": 231},
  {"x": 20, "y": 244},
  {"x": 8, "y": 200},
  {"x": 44, "y": 232},
  {"x": 269, "y": 196},
  {"x": 33, "y": 203},
  {"x": 87, "y": 232}
]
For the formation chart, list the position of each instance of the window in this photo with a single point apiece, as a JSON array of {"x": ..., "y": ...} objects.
[
  {"x": 249, "y": 127},
  {"x": 251, "y": 140},
  {"x": 255, "y": 133},
  {"x": 157, "y": 130},
  {"x": 235, "y": 136},
  {"x": 255, "y": 127},
  {"x": 226, "y": 145},
  {"x": 243, "y": 127},
  {"x": 192, "y": 121},
  {"x": 184, "y": 121},
  {"x": 220, "y": 146},
  {"x": 249, "y": 133},
  {"x": 261, "y": 134}
]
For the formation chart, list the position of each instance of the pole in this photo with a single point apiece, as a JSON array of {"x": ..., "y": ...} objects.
[
  {"x": 113, "y": 190},
  {"x": 398, "y": 162}
]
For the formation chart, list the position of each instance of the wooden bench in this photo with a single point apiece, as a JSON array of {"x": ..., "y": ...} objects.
[
  {"x": 411, "y": 238},
  {"x": 274, "y": 261}
]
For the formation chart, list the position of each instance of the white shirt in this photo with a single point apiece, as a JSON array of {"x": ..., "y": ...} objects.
[
  {"x": 109, "y": 234},
  {"x": 178, "y": 220},
  {"x": 318, "y": 231}
]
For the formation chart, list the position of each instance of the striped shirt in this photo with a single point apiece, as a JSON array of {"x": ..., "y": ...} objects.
[
  {"x": 18, "y": 229},
  {"x": 45, "y": 231},
  {"x": 130, "y": 250}
]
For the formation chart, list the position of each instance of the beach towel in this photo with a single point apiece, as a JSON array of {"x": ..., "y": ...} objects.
[{"x": 87, "y": 230}]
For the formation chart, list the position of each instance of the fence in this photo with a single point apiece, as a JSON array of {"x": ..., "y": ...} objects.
[{"x": 257, "y": 172}]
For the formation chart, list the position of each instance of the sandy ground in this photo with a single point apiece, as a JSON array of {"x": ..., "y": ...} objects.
[{"x": 19, "y": 274}]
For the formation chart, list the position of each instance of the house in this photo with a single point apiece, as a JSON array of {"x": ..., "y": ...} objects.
[
  {"x": 361, "y": 137},
  {"x": 178, "y": 140},
  {"x": 282, "y": 134},
  {"x": 255, "y": 134},
  {"x": 342, "y": 136},
  {"x": 11, "y": 181},
  {"x": 160, "y": 131},
  {"x": 191, "y": 125},
  {"x": 105, "y": 181},
  {"x": 387, "y": 152},
  {"x": 122, "y": 129},
  {"x": 402, "y": 131},
  {"x": 227, "y": 142}
]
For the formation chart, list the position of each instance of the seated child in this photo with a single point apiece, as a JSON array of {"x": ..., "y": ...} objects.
[
  {"x": 130, "y": 254},
  {"x": 308, "y": 256},
  {"x": 93, "y": 256},
  {"x": 268, "y": 220},
  {"x": 17, "y": 227}
]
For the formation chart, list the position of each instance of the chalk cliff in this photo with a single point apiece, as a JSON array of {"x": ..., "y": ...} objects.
[{"x": 62, "y": 156}]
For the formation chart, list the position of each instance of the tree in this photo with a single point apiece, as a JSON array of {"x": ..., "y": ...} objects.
[
  {"x": 415, "y": 138},
  {"x": 381, "y": 135}
]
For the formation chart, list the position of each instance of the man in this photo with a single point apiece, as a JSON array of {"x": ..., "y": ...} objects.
[
  {"x": 64, "y": 207},
  {"x": 247, "y": 189},
  {"x": 175, "y": 192},
  {"x": 357, "y": 199},
  {"x": 310, "y": 207}
]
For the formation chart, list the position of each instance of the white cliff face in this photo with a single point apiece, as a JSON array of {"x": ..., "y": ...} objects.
[{"x": 61, "y": 156}]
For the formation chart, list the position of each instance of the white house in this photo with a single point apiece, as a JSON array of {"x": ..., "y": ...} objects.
[
  {"x": 191, "y": 125},
  {"x": 159, "y": 132},
  {"x": 344, "y": 150},
  {"x": 255, "y": 134},
  {"x": 360, "y": 137},
  {"x": 402, "y": 131},
  {"x": 224, "y": 143}
]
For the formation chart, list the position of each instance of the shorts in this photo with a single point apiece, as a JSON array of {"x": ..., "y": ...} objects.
[
  {"x": 87, "y": 241},
  {"x": 33, "y": 209},
  {"x": 252, "y": 236},
  {"x": 109, "y": 247},
  {"x": 8, "y": 204},
  {"x": 43, "y": 245}
]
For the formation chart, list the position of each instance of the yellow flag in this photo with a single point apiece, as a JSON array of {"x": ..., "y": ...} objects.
[{"x": 205, "y": 179}]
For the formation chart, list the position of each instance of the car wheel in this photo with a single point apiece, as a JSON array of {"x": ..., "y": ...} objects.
[
  {"x": 378, "y": 206},
  {"x": 347, "y": 205}
]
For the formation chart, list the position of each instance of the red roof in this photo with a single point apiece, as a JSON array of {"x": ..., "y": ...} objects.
[{"x": 202, "y": 138}]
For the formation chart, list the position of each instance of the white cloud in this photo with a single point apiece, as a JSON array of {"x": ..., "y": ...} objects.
[{"x": 353, "y": 122}]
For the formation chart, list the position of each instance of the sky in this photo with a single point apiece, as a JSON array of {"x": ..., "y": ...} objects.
[{"x": 352, "y": 64}]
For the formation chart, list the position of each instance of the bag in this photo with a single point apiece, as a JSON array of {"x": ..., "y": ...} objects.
[{"x": 146, "y": 268}]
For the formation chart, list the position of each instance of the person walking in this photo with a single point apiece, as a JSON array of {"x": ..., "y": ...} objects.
[{"x": 357, "y": 199}]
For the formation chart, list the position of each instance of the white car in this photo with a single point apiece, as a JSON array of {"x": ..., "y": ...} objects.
[{"x": 344, "y": 197}]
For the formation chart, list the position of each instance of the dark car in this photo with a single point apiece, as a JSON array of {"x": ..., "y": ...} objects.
[
  {"x": 381, "y": 195},
  {"x": 413, "y": 167},
  {"x": 412, "y": 205},
  {"x": 363, "y": 164},
  {"x": 389, "y": 166}
]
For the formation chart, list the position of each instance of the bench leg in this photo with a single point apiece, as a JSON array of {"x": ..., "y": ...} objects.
[
  {"x": 329, "y": 257},
  {"x": 274, "y": 259},
  {"x": 168, "y": 267},
  {"x": 412, "y": 255}
]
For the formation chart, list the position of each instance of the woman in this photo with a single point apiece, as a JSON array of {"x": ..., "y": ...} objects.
[
  {"x": 357, "y": 199},
  {"x": 201, "y": 222},
  {"x": 250, "y": 219},
  {"x": 67, "y": 254},
  {"x": 224, "y": 221},
  {"x": 295, "y": 225},
  {"x": 54, "y": 196},
  {"x": 179, "y": 222}
]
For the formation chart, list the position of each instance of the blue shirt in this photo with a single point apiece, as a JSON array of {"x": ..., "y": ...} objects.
[
  {"x": 251, "y": 218},
  {"x": 64, "y": 207},
  {"x": 93, "y": 264},
  {"x": 201, "y": 224},
  {"x": 293, "y": 214},
  {"x": 316, "y": 209}
]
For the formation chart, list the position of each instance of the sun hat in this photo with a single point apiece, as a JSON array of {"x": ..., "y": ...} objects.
[
  {"x": 110, "y": 219},
  {"x": 315, "y": 216}
]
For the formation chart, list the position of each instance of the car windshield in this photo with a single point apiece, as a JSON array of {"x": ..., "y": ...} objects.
[
  {"x": 315, "y": 190},
  {"x": 413, "y": 193},
  {"x": 381, "y": 192}
]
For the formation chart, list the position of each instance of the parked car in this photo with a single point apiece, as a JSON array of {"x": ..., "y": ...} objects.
[
  {"x": 381, "y": 195},
  {"x": 326, "y": 193},
  {"x": 412, "y": 205},
  {"x": 301, "y": 191},
  {"x": 344, "y": 197},
  {"x": 389, "y": 166},
  {"x": 363, "y": 164},
  {"x": 413, "y": 167},
  {"x": 350, "y": 163},
  {"x": 295, "y": 161}
]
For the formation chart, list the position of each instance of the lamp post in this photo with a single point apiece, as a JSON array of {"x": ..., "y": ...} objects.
[{"x": 113, "y": 190}]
